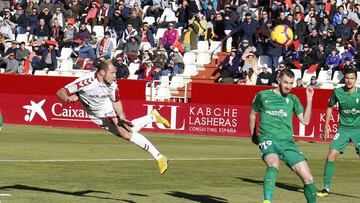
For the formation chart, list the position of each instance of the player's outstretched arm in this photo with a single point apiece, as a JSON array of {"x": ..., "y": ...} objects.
[
  {"x": 252, "y": 122},
  {"x": 325, "y": 133},
  {"x": 63, "y": 96},
  {"x": 119, "y": 111},
  {"x": 305, "y": 117}
]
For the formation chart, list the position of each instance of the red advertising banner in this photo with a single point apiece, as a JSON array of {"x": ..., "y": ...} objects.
[{"x": 185, "y": 118}]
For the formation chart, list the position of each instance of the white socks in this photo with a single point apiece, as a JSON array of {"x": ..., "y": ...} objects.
[
  {"x": 142, "y": 122},
  {"x": 145, "y": 144}
]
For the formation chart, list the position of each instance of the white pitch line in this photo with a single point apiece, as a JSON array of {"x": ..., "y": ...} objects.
[
  {"x": 104, "y": 160},
  {"x": 5, "y": 195}
]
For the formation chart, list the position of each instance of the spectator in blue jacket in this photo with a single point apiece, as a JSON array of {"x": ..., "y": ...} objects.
[
  {"x": 332, "y": 62},
  {"x": 339, "y": 16}
]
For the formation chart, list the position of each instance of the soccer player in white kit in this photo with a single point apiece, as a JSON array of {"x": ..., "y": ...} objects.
[{"x": 99, "y": 95}]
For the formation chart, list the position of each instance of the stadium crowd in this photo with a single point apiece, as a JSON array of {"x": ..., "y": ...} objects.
[{"x": 326, "y": 36}]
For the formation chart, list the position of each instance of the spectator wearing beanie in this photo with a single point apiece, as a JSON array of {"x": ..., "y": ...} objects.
[{"x": 117, "y": 23}]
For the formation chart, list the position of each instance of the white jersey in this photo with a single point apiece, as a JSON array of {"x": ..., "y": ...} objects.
[{"x": 96, "y": 97}]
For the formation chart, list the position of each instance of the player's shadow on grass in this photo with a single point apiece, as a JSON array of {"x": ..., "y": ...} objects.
[
  {"x": 290, "y": 187},
  {"x": 83, "y": 193},
  {"x": 197, "y": 198}
]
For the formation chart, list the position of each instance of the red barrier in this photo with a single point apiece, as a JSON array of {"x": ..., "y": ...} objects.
[{"x": 223, "y": 111}]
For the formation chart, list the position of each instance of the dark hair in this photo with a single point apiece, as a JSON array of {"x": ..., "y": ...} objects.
[
  {"x": 349, "y": 71},
  {"x": 286, "y": 72}
]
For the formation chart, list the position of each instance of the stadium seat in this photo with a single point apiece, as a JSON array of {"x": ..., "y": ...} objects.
[
  {"x": 338, "y": 75},
  {"x": 88, "y": 26},
  {"x": 160, "y": 33},
  {"x": 264, "y": 60},
  {"x": 2, "y": 70},
  {"x": 358, "y": 77},
  {"x": 54, "y": 73},
  {"x": 176, "y": 82},
  {"x": 149, "y": 19},
  {"x": 22, "y": 38},
  {"x": 132, "y": 77},
  {"x": 79, "y": 74},
  {"x": 327, "y": 85},
  {"x": 66, "y": 65},
  {"x": 67, "y": 74},
  {"x": 40, "y": 72},
  {"x": 164, "y": 81},
  {"x": 215, "y": 47},
  {"x": 324, "y": 77},
  {"x": 297, "y": 73},
  {"x": 307, "y": 77},
  {"x": 203, "y": 58},
  {"x": 113, "y": 40},
  {"x": 189, "y": 70},
  {"x": 202, "y": 46},
  {"x": 189, "y": 58},
  {"x": 65, "y": 53},
  {"x": 133, "y": 67},
  {"x": 144, "y": 11},
  {"x": 99, "y": 30},
  {"x": 162, "y": 94}
]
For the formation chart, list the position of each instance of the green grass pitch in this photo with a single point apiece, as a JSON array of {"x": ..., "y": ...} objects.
[{"x": 79, "y": 165}]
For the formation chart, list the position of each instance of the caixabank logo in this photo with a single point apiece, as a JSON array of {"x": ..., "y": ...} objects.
[{"x": 43, "y": 110}]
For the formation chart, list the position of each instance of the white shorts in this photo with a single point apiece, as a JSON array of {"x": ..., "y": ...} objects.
[{"x": 105, "y": 123}]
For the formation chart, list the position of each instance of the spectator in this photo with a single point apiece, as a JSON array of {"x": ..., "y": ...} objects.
[
  {"x": 299, "y": 83},
  {"x": 46, "y": 4},
  {"x": 75, "y": 9},
  {"x": 275, "y": 75},
  {"x": 313, "y": 40},
  {"x": 6, "y": 30},
  {"x": 12, "y": 49},
  {"x": 85, "y": 50},
  {"x": 343, "y": 30},
  {"x": 57, "y": 32},
  {"x": 131, "y": 48},
  {"x": 11, "y": 63},
  {"x": 92, "y": 41},
  {"x": 103, "y": 13},
  {"x": 249, "y": 26},
  {"x": 319, "y": 56},
  {"x": 48, "y": 59},
  {"x": 2, "y": 44},
  {"x": 122, "y": 70},
  {"x": 91, "y": 13},
  {"x": 170, "y": 36},
  {"x": 189, "y": 37},
  {"x": 138, "y": 10},
  {"x": 83, "y": 33},
  {"x": 46, "y": 15},
  {"x": 339, "y": 16},
  {"x": 326, "y": 26},
  {"x": 22, "y": 52},
  {"x": 19, "y": 18},
  {"x": 32, "y": 21},
  {"x": 168, "y": 16},
  {"x": 264, "y": 76},
  {"x": 313, "y": 83},
  {"x": 147, "y": 37},
  {"x": 42, "y": 32},
  {"x": 299, "y": 28},
  {"x": 178, "y": 60},
  {"x": 124, "y": 10},
  {"x": 69, "y": 34},
  {"x": 125, "y": 37},
  {"x": 134, "y": 20},
  {"x": 59, "y": 16},
  {"x": 160, "y": 58},
  {"x": 147, "y": 71},
  {"x": 305, "y": 59},
  {"x": 117, "y": 23},
  {"x": 105, "y": 46},
  {"x": 332, "y": 62},
  {"x": 228, "y": 68}
]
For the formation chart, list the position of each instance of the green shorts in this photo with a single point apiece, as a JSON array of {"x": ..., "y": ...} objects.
[
  {"x": 343, "y": 137},
  {"x": 285, "y": 149}
]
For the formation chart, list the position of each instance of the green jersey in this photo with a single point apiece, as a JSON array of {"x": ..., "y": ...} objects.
[
  {"x": 349, "y": 106},
  {"x": 276, "y": 114}
]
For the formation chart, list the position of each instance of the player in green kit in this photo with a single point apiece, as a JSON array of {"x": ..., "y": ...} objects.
[
  {"x": 276, "y": 142},
  {"x": 348, "y": 98}
]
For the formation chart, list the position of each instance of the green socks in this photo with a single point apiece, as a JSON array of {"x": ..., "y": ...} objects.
[
  {"x": 269, "y": 182},
  {"x": 310, "y": 192},
  {"x": 328, "y": 173}
]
